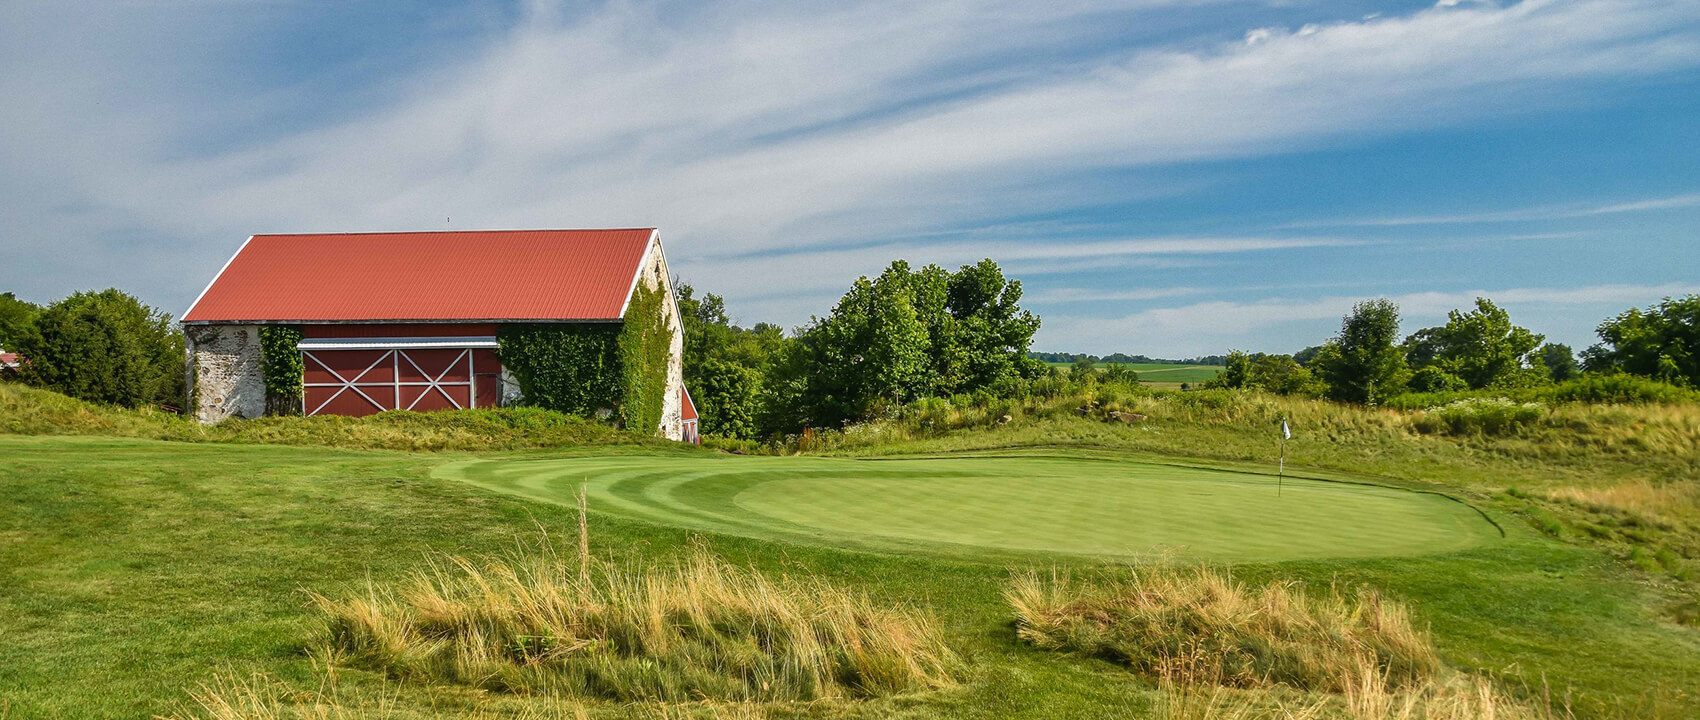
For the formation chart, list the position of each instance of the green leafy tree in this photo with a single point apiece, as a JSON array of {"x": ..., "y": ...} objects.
[
  {"x": 1660, "y": 342},
  {"x": 994, "y": 331},
  {"x": 1484, "y": 349},
  {"x": 730, "y": 398},
  {"x": 909, "y": 334},
  {"x": 1083, "y": 370},
  {"x": 17, "y": 319},
  {"x": 1361, "y": 364},
  {"x": 1433, "y": 378},
  {"x": 1275, "y": 373},
  {"x": 1120, "y": 373},
  {"x": 726, "y": 366},
  {"x": 1559, "y": 360},
  {"x": 871, "y": 351},
  {"x": 105, "y": 347}
]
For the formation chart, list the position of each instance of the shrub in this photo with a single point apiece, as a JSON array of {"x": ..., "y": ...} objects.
[
  {"x": 105, "y": 347},
  {"x": 1618, "y": 388},
  {"x": 1434, "y": 379},
  {"x": 1198, "y": 626},
  {"x": 1481, "y": 416},
  {"x": 690, "y": 630}
]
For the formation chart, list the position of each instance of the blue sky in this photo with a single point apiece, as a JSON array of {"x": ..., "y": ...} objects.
[{"x": 1168, "y": 177}]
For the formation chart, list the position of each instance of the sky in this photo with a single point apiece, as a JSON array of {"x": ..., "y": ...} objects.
[{"x": 1165, "y": 177}]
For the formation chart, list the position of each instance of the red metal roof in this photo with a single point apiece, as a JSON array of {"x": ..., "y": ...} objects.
[
  {"x": 427, "y": 276},
  {"x": 8, "y": 359}
]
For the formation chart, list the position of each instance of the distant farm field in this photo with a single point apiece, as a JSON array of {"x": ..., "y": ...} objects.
[{"x": 1165, "y": 374}]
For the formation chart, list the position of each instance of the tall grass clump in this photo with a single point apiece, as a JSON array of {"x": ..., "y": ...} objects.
[
  {"x": 1198, "y": 626},
  {"x": 692, "y": 629},
  {"x": 1481, "y": 416}
]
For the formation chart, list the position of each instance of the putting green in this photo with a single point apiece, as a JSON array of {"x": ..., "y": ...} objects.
[{"x": 1000, "y": 506}]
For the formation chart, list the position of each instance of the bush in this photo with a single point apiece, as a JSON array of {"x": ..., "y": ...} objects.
[
  {"x": 1618, "y": 388},
  {"x": 1481, "y": 416},
  {"x": 1433, "y": 379},
  {"x": 105, "y": 347}
]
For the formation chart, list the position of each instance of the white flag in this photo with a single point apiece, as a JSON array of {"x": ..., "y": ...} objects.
[{"x": 1286, "y": 432}]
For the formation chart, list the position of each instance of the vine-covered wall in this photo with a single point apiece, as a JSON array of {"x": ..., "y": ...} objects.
[
  {"x": 645, "y": 349},
  {"x": 570, "y": 368},
  {"x": 280, "y": 365},
  {"x": 583, "y": 369}
]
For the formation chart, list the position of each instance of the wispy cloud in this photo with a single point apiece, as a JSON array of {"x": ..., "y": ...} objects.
[
  {"x": 1517, "y": 215},
  {"x": 1214, "y": 326}
]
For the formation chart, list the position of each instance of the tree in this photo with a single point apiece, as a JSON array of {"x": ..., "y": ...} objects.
[
  {"x": 913, "y": 333},
  {"x": 1120, "y": 373},
  {"x": 726, "y": 366},
  {"x": 105, "y": 347},
  {"x": 730, "y": 401},
  {"x": 1305, "y": 356},
  {"x": 17, "y": 318},
  {"x": 871, "y": 350},
  {"x": 1361, "y": 364},
  {"x": 1559, "y": 360},
  {"x": 994, "y": 332},
  {"x": 1083, "y": 370},
  {"x": 1661, "y": 342},
  {"x": 1279, "y": 374},
  {"x": 1483, "y": 348}
]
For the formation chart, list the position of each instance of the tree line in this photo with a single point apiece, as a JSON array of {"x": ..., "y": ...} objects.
[
  {"x": 1478, "y": 349},
  {"x": 913, "y": 333}
]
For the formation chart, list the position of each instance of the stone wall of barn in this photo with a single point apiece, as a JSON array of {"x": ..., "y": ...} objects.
[
  {"x": 226, "y": 378},
  {"x": 654, "y": 274}
]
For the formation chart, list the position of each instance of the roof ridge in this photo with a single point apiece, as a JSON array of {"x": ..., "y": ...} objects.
[{"x": 452, "y": 232}]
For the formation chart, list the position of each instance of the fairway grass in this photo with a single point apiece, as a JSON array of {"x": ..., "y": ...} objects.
[
  {"x": 135, "y": 572},
  {"x": 1003, "y": 505}
]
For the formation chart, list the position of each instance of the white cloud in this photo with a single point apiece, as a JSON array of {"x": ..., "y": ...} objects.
[{"x": 744, "y": 130}]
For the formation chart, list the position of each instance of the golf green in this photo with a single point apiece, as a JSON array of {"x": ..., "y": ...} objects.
[{"x": 1001, "y": 505}]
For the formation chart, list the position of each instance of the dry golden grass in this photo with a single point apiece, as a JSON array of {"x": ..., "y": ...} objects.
[
  {"x": 691, "y": 630},
  {"x": 1367, "y": 695},
  {"x": 1669, "y": 502},
  {"x": 1200, "y": 627},
  {"x": 261, "y": 698}
]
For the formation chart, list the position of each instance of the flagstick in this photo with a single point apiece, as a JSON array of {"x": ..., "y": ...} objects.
[{"x": 1281, "y": 475}]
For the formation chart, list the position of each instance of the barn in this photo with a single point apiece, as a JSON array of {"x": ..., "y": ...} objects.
[{"x": 411, "y": 320}]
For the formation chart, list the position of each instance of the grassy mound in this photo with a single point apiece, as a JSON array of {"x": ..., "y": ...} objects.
[
  {"x": 30, "y": 411},
  {"x": 694, "y": 629},
  {"x": 1198, "y": 627}
]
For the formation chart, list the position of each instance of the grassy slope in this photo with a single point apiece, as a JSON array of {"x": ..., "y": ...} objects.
[{"x": 134, "y": 570}]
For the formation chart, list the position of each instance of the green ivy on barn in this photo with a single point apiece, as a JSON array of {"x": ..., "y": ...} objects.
[{"x": 581, "y": 369}]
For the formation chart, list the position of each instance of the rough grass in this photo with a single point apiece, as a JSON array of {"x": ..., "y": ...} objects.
[
  {"x": 263, "y": 698},
  {"x": 1199, "y": 626},
  {"x": 1459, "y": 699},
  {"x": 693, "y": 629},
  {"x": 30, "y": 411}
]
